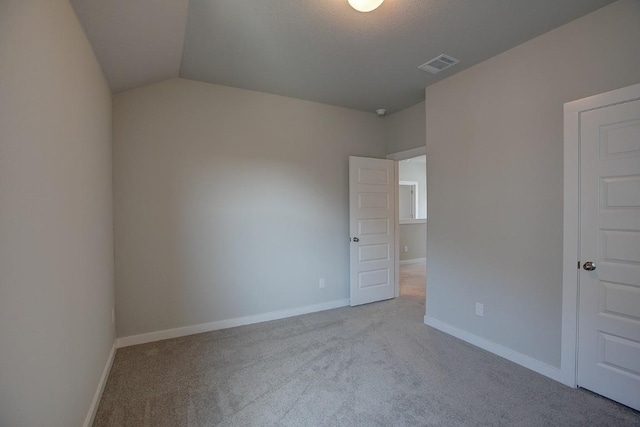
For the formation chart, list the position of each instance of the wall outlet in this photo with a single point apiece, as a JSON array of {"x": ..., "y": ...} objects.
[
  {"x": 479, "y": 309},
  {"x": 406, "y": 248},
  {"x": 321, "y": 282}
]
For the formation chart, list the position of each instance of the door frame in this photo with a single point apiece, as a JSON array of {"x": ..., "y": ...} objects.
[
  {"x": 571, "y": 221},
  {"x": 414, "y": 199},
  {"x": 401, "y": 155}
]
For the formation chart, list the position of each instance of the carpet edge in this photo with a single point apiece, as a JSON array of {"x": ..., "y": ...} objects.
[
  {"x": 227, "y": 323},
  {"x": 497, "y": 349}
]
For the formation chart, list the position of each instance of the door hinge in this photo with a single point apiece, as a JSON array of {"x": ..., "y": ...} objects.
[{"x": 578, "y": 265}]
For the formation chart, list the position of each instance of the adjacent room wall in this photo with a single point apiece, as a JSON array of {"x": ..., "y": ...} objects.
[
  {"x": 230, "y": 203},
  {"x": 416, "y": 170},
  {"x": 414, "y": 236},
  {"x": 495, "y": 173},
  {"x": 405, "y": 129},
  {"x": 56, "y": 252}
]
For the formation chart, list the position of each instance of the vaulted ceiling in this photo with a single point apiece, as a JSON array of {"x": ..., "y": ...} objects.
[{"x": 319, "y": 50}]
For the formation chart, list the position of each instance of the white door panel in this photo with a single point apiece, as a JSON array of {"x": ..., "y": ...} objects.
[
  {"x": 371, "y": 219},
  {"x": 609, "y": 296}
]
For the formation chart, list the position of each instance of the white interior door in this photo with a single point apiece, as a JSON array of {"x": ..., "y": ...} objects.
[
  {"x": 372, "y": 224},
  {"x": 609, "y": 295}
]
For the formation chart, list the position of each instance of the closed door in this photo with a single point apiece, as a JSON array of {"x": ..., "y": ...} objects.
[
  {"x": 609, "y": 278},
  {"x": 372, "y": 221}
]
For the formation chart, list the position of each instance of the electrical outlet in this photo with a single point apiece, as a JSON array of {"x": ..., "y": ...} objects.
[
  {"x": 406, "y": 248},
  {"x": 479, "y": 309},
  {"x": 322, "y": 283}
]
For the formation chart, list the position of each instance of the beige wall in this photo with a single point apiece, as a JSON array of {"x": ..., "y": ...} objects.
[
  {"x": 230, "y": 202},
  {"x": 414, "y": 237},
  {"x": 495, "y": 167},
  {"x": 404, "y": 130},
  {"x": 56, "y": 253}
]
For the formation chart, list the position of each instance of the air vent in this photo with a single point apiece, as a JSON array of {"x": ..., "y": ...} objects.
[{"x": 439, "y": 63}]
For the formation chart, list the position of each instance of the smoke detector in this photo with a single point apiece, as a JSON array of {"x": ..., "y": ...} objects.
[
  {"x": 439, "y": 63},
  {"x": 381, "y": 112}
]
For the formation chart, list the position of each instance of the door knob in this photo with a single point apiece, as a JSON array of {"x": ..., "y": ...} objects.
[
  {"x": 355, "y": 239},
  {"x": 589, "y": 266}
]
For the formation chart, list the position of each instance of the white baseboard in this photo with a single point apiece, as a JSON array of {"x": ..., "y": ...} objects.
[
  {"x": 228, "y": 323},
  {"x": 500, "y": 350},
  {"x": 88, "y": 421},
  {"x": 414, "y": 261}
]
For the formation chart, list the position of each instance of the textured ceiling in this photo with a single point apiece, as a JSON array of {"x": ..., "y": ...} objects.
[
  {"x": 320, "y": 50},
  {"x": 137, "y": 42}
]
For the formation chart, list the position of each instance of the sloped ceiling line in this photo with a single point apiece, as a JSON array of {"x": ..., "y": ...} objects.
[{"x": 318, "y": 50}]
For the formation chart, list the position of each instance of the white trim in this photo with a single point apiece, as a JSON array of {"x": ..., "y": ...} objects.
[
  {"x": 413, "y": 221},
  {"x": 497, "y": 349},
  {"x": 568, "y": 352},
  {"x": 228, "y": 323},
  {"x": 396, "y": 230},
  {"x": 571, "y": 221},
  {"x": 88, "y": 421},
  {"x": 414, "y": 261},
  {"x": 408, "y": 154}
]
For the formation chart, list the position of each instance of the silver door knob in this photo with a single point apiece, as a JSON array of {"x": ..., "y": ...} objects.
[
  {"x": 355, "y": 239},
  {"x": 589, "y": 266}
]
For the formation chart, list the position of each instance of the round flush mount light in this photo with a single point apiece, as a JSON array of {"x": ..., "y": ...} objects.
[{"x": 365, "y": 5}]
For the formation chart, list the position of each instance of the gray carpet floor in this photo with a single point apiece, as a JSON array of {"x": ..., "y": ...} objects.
[{"x": 374, "y": 365}]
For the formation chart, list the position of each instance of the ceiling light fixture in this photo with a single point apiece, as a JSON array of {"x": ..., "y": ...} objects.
[{"x": 365, "y": 5}]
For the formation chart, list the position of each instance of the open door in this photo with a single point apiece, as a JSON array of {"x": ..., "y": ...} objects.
[
  {"x": 372, "y": 228},
  {"x": 601, "y": 297},
  {"x": 609, "y": 296}
]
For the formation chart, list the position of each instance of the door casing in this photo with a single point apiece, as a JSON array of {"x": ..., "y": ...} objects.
[{"x": 571, "y": 221}]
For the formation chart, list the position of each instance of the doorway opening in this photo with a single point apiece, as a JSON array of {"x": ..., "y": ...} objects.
[{"x": 411, "y": 225}]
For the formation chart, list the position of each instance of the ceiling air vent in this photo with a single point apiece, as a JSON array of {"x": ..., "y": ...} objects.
[{"x": 439, "y": 63}]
